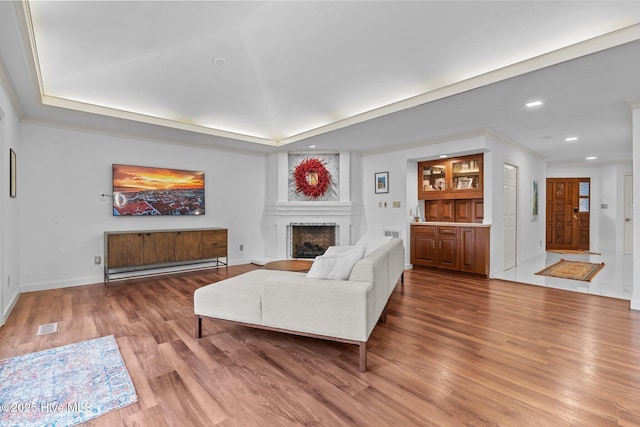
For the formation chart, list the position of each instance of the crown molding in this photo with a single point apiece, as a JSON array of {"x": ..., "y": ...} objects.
[
  {"x": 634, "y": 103},
  {"x": 10, "y": 90}
]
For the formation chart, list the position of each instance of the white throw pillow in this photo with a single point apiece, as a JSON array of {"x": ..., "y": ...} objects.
[{"x": 337, "y": 266}]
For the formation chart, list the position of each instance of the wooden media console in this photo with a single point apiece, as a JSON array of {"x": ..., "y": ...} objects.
[{"x": 128, "y": 251}]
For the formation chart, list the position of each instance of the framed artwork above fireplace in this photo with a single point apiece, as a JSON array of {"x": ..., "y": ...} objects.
[{"x": 314, "y": 177}]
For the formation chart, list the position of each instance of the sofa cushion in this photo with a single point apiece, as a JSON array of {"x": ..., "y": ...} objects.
[
  {"x": 338, "y": 250},
  {"x": 335, "y": 266},
  {"x": 371, "y": 243},
  {"x": 238, "y": 298}
]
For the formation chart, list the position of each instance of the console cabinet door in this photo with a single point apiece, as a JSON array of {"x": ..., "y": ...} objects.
[
  {"x": 214, "y": 243},
  {"x": 159, "y": 247},
  {"x": 124, "y": 250},
  {"x": 188, "y": 245}
]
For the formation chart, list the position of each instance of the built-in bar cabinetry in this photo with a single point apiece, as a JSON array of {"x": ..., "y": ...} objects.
[
  {"x": 453, "y": 178},
  {"x": 148, "y": 249},
  {"x": 450, "y": 246}
]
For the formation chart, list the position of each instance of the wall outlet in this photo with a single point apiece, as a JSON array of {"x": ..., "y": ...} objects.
[
  {"x": 97, "y": 260},
  {"x": 242, "y": 247}
]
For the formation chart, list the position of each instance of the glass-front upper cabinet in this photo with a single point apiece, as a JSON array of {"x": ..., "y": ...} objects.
[
  {"x": 465, "y": 174},
  {"x": 454, "y": 178},
  {"x": 433, "y": 176}
]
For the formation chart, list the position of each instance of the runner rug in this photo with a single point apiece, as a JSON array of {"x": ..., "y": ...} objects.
[
  {"x": 64, "y": 386},
  {"x": 577, "y": 270}
]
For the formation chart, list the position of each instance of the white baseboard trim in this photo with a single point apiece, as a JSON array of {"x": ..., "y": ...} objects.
[
  {"x": 92, "y": 280},
  {"x": 9, "y": 309}
]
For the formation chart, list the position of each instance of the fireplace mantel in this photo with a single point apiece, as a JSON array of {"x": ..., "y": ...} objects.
[
  {"x": 280, "y": 215},
  {"x": 280, "y": 212},
  {"x": 313, "y": 208}
]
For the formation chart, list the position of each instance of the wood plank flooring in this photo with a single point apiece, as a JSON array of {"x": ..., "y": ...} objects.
[{"x": 454, "y": 351}]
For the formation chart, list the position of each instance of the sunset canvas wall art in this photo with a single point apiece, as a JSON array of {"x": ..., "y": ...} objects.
[{"x": 142, "y": 190}]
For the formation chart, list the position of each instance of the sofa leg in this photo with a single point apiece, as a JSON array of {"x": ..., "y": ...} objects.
[
  {"x": 363, "y": 356},
  {"x": 383, "y": 315},
  {"x": 198, "y": 320}
]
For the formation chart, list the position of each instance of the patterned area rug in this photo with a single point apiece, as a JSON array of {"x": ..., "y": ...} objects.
[
  {"x": 64, "y": 386},
  {"x": 573, "y": 251},
  {"x": 577, "y": 270}
]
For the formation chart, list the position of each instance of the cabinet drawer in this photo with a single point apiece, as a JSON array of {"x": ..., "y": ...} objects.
[
  {"x": 451, "y": 231},
  {"x": 214, "y": 243}
]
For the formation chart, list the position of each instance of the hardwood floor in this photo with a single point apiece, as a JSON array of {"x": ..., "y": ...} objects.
[{"x": 454, "y": 351}]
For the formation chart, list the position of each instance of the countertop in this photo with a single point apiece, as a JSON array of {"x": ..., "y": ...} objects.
[{"x": 458, "y": 224}]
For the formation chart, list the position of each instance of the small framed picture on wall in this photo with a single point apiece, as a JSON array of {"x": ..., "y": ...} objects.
[{"x": 382, "y": 182}]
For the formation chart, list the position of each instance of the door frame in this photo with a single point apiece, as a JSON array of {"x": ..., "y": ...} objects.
[
  {"x": 514, "y": 202},
  {"x": 627, "y": 214}
]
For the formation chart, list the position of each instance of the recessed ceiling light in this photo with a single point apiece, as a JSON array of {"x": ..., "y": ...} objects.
[
  {"x": 532, "y": 104},
  {"x": 220, "y": 61},
  {"x": 571, "y": 139},
  {"x": 443, "y": 156},
  {"x": 591, "y": 158},
  {"x": 311, "y": 146}
]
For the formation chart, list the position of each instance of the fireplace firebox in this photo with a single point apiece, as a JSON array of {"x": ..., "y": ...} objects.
[{"x": 311, "y": 240}]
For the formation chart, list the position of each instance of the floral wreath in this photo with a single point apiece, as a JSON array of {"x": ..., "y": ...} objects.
[{"x": 312, "y": 178}]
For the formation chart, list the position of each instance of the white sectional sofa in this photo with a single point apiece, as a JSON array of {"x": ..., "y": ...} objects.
[{"x": 344, "y": 310}]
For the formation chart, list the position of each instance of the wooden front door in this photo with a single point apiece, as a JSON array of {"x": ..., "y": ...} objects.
[{"x": 568, "y": 206}]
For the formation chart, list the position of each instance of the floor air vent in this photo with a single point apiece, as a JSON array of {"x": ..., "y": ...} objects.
[{"x": 48, "y": 328}]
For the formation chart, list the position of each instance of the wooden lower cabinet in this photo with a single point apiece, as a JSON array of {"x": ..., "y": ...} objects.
[
  {"x": 456, "y": 248},
  {"x": 463, "y": 210},
  {"x": 137, "y": 250}
]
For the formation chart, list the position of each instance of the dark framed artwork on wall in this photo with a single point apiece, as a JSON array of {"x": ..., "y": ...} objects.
[
  {"x": 382, "y": 182},
  {"x": 12, "y": 173}
]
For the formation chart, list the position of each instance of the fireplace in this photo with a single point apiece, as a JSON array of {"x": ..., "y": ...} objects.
[{"x": 311, "y": 240}]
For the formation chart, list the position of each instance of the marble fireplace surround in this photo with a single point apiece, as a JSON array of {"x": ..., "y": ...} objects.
[{"x": 282, "y": 213}]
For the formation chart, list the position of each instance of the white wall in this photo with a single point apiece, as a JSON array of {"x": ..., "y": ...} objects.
[
  {"x": 530, "y": 233},
  {"x": 402, "y": 168},
  {"x": 9, "y": 211},
  {"x": 63, "y": 172}
]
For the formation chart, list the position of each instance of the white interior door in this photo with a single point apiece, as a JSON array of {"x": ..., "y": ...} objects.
[
  {"x": 509, "y": 197},
  {"x": 628, "y": 214}
]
